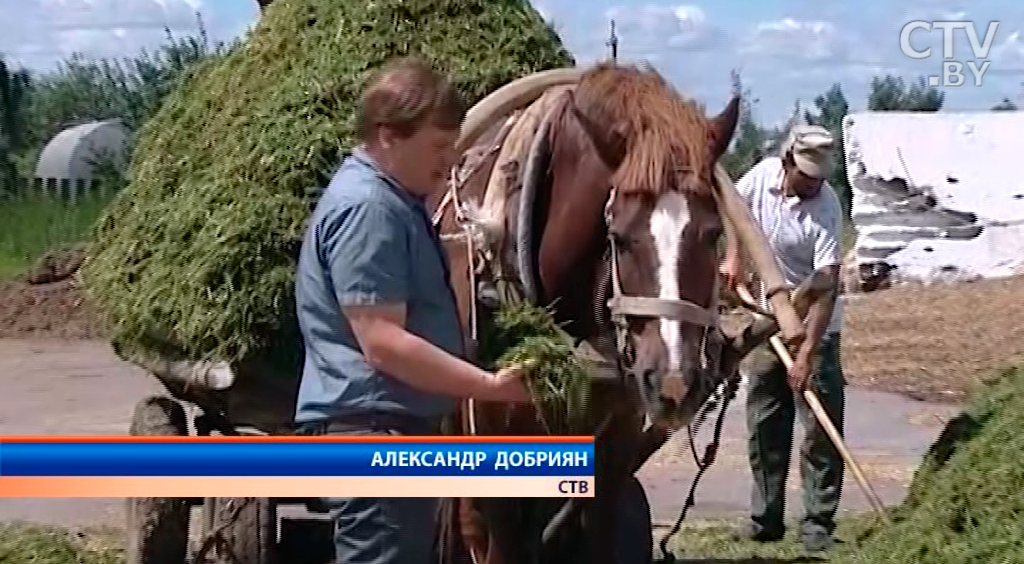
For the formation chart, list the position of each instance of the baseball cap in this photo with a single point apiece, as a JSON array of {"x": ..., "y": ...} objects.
[{"x": 812, "y": 147}]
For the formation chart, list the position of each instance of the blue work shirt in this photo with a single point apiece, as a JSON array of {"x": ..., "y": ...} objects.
[{"x": 369, "y": 242}]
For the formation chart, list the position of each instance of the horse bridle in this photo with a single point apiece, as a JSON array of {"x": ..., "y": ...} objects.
[{"x": 622, "y": 306}]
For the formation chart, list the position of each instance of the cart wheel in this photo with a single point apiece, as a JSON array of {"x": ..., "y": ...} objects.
[
  {"x": 157, "y": 528},
  {"x": 635, "y": 542},
  {"x": 249, "y": 531}
]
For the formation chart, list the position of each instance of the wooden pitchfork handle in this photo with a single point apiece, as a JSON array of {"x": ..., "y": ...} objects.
[{"x": 824, "y": 420}]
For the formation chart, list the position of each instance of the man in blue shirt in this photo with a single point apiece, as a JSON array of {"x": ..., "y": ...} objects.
[{"x": 383, "y": 344}]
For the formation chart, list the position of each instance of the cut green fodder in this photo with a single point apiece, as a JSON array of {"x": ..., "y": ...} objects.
[
  {"x": 196, "y": 257},
  {"x": 525, "y": 333},
  {"x": 710, "y": 541},
  {"x": 966, "y": 502},
  {"x": 30, "y": 543}
]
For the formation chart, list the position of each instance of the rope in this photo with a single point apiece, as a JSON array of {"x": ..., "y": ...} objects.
[
  {"x": 473, "y": 313},
  {"x": 710, "y": 452},
  {"x": 216, "y": 538}
]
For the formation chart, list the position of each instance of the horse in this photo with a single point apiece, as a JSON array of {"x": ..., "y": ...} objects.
[{"x": 610, "y": 219}]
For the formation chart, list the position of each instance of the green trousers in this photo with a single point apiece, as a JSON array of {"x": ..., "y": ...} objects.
[{"x": 772, "y": 408}]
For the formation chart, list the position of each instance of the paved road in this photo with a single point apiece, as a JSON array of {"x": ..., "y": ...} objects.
[
  {"x": 886, "y": 433},
  {"x": 66, "y": 387},
  {"x": 80, "y": 387}
]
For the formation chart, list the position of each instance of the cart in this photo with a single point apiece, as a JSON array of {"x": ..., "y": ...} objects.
[{"x": 207, "y": 399}]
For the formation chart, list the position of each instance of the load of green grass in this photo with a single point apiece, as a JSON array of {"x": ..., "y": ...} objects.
[
  {"x": 966, "y": 502},
  {"x": 196, "y": 257}
]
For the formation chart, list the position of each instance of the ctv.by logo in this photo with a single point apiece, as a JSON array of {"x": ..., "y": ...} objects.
[{"x": 952, "y": 71}]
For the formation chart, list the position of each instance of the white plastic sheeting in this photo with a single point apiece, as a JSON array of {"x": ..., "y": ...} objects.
[
  {"x": 938, "y": 196},
  {"x": 72, "y": 153}
]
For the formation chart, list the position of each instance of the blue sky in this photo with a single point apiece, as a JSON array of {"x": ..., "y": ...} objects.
[{"x": 786, "y": 50}]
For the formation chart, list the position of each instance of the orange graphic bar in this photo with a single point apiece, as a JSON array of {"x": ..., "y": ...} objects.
[{"x": 302, "y": 486}]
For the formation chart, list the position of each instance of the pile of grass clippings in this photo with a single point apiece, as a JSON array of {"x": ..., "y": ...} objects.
[
  {"x": 558, "y": 380},
  {"x": 196, "y": 257},
  {"x": 966, "y": 502}
]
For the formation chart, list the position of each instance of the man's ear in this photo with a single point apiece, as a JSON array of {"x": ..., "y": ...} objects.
[{"x": 787, "y": 162}]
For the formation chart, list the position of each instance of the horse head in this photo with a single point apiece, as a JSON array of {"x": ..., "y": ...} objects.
[
  {"x": 619, "y": 223},
  {"x": 630, "y": 244}
]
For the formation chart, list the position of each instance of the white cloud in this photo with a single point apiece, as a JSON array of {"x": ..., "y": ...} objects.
[
  {"x": 653, "y": 29},
  {"x": 809, "y": 41},
  {"x": 47, "y": 31},
  {"x": 107, "y": 14},
  {"x": 1008, "y": 56}
]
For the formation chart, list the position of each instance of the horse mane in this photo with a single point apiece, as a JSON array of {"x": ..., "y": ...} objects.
[{"x": 660, "y": 132}]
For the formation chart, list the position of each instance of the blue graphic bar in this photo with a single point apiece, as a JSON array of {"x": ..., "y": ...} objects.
[{"x": 286, "y": 456}]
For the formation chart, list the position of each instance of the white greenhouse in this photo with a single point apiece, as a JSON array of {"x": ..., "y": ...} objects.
[{"x": 66, "y": 166}]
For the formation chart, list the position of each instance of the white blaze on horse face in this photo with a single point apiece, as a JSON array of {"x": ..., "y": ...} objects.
[{"x": 668, "y": 220}]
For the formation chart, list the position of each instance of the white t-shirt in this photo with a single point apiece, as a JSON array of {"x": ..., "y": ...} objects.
[{"x": 803, "y": 234}]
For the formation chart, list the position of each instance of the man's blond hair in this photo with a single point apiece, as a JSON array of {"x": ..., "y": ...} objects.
[{"x": 405, "y": 95}]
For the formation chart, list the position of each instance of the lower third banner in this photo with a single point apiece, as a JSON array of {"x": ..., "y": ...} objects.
[{"x": 331, "y": 466}]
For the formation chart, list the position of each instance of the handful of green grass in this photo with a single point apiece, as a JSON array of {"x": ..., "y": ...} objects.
[{"x": 523, "y": 333}]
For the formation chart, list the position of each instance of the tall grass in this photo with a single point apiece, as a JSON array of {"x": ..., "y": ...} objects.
[
  {"x": 36, "y": 543},
  {"x": 32, "y": 225}
]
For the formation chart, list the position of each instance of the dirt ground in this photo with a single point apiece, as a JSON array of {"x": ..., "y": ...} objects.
[
  {"x": 930, "y": 343},
  {"x": 58, "y": 386},
  {"x": 54, "y": 310},
  {"x": 933, "y": 342}
]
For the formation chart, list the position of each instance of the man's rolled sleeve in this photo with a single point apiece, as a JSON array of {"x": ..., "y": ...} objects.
[{"x": 366, "y": 249}]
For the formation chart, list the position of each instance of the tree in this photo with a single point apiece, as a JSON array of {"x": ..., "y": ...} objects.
[
  {"x": 264, "y": 4},
  {"x": 750, "y": 139},
  {"x": 131, "y": 89},
  {"x": 891, "y": 94},
  {"x": 1006, "y": 105},
  {"x": 777, "y": 135},
  {"x": 832, "y": 107},
  {"x": 15, "y": 89}
]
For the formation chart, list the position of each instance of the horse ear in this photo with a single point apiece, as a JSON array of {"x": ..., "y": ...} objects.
[{"x": 724, "y": 126}]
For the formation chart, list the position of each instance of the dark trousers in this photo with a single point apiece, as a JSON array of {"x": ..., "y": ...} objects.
[
  {"x": 370, "y": 530},
  {"x": 771, "y": 409}
]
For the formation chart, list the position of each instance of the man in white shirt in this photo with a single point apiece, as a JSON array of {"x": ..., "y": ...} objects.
[{"x": 802, "y": 218}]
